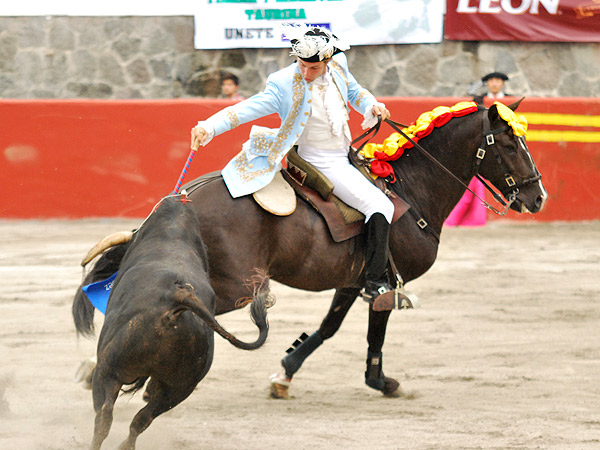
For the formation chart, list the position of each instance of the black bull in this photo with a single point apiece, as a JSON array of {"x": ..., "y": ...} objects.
[{"x": 160, "y": 319}]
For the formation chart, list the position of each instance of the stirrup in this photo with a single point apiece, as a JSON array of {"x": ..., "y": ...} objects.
[
  {"x": 398, "y": 298},
  {"x": 370, "y": 295}
]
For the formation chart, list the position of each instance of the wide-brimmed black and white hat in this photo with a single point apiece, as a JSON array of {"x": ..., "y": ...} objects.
[{"x": 313, "y": 44}]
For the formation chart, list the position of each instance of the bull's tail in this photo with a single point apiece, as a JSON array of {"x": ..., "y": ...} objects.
[
  {"x": 258, "y": 312},
  {"x": 82, "y": 309}
]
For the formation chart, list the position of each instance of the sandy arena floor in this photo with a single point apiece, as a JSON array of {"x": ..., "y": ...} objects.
[{"x": 504, "y": 353}]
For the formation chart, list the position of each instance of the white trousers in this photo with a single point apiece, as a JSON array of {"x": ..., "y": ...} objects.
[{"x": 349, "y": 185}]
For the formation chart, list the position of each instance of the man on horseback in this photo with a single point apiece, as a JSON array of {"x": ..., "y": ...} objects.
[{"x": 311, "y": 97}]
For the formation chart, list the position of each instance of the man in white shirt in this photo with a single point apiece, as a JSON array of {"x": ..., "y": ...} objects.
[{"x": 311, "y": 97}]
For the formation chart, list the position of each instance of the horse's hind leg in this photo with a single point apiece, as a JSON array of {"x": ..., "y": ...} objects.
[
  {"x": 105, "y": 392},
  {"x": 305, "y": 345},
  {"x": 161, "y": 398},
  {"x": 374, "y": 376},
  {"x": 342, "y": 301}
]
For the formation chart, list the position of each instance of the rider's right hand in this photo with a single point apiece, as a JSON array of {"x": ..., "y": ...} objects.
[{"x": 199, "y": 136}]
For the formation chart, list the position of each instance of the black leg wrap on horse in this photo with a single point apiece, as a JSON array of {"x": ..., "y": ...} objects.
[
  {"x": 374, "y": 374},
  {"x": 299, "y": 351}
]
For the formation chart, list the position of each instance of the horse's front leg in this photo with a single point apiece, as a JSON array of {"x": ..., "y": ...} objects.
[
  {"x": 374, "y": 376},
  {"x": 305, "y": 345}
]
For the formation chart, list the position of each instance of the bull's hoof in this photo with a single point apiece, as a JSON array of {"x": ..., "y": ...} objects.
[
  {"x": 128, "y": 444},
  {"x": 84, "y": 373},
  {"x": 280, "y": 386}
]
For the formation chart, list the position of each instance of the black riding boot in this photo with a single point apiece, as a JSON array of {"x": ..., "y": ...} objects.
[{"x": 377, "y": 231}]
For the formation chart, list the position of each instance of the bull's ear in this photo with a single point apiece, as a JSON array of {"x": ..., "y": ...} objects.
[
  {"x": 493, "y": 114},
  {"x": 516, "y": 104}
]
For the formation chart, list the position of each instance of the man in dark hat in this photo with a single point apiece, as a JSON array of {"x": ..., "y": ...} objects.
[
  {"x": 311, "y": 97},
  {"x": 495, "y": 85}
]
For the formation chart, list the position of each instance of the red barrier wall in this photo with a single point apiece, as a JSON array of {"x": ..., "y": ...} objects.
[{"x": 78, "y": 158}]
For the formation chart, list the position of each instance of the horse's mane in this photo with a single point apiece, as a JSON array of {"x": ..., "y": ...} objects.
[{"x": 394, "y": 145}]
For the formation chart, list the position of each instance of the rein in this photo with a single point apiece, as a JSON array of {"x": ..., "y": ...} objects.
[{"x": 488, "y": 141}]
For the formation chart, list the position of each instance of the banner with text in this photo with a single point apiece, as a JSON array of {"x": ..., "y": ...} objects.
[
  {"x": 104, "y": 8},
  {"x": 255, "y": 23},
  {"x": 523, "y": 20}
]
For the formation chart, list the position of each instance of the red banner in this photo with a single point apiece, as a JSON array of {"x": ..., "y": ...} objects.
[{"x": 523, "y": 20}]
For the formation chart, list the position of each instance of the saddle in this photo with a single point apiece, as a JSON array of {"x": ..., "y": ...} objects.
[{"x": 308, "y": 183}]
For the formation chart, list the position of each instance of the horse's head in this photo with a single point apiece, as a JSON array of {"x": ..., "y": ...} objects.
[{"x": 507, "y": 162}]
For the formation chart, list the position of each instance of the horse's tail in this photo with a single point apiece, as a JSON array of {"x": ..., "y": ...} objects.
[
  {"x": 82, "y": 309},
  {"x": 258, "y": 312}
]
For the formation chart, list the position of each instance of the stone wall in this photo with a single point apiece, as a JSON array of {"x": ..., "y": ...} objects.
[{"x": 154, "y": 57}]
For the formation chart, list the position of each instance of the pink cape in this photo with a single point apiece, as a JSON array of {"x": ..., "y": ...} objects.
[{"x": 469, "y": 212}]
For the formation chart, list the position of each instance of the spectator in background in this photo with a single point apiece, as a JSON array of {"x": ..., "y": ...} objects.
[
  {"x": 495, "y": 87},
  {"x": 229, "y": 87}
]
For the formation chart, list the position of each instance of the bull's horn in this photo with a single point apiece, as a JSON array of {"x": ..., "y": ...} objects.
[{"x": 120, "y": 237}]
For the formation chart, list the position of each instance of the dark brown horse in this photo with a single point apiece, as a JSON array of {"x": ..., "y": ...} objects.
[{"x": 298, "y": 250}]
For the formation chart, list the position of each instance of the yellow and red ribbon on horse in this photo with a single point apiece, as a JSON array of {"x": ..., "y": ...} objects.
[
  {"x": 394, "y": 145},
  {"x": 517, "y": 123}
]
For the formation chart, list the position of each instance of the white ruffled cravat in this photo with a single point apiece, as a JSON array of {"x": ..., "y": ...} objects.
[{"x": 334, "y": 106}]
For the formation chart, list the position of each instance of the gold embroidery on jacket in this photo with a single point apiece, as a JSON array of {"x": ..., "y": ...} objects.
[
  {"x": 286, "y": 127},
  {"x": 339, "y": 69},
  {"x": 261, "y": 141},
  {"x": 233, "y": 118},
  {"x": 242, "y": 164},
  {"x": 361, "y": 96}
]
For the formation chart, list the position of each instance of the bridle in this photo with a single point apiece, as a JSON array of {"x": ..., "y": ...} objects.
[
  {"x": 488, "y": 142},
  {"x": 512, "y": 188}
]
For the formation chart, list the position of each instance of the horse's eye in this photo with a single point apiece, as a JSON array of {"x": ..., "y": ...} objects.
[{"x": 511, "y": 148}]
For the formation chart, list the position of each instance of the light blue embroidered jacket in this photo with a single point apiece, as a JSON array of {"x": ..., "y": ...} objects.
[{"x": 289, "y": 95}]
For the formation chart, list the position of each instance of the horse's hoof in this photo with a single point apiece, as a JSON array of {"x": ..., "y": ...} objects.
[
  {"x": 387, "y": 386},
  {"x": 280, "y": 387},
  {"x": 391, "y": 388},
  {"x": 279, "y": 392}
]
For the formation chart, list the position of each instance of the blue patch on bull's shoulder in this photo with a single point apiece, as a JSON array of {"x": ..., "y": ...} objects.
[{"x": 99, "y": 292}]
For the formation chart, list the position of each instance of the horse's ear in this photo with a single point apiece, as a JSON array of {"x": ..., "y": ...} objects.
[
  {"x": 516, "y": 104},
  {"x": 493, "y": 113}
]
